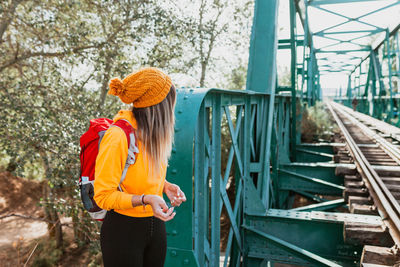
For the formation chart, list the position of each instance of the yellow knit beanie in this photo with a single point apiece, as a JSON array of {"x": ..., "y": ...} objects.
[{"x": 144, "y": 88}]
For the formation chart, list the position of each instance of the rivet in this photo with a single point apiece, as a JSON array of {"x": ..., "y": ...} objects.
[
  {"x": 180, "y": 111},
  {"x": 173, "y": 253},
  {"x": 174, "y": 232},
  {"x": 174, "y": 171},
  {"x": 173, "y": 150},
  {"x": 186, "y": 261},
  {"x": 177, "y": 130},
  {"x": 185, "y": 97}
]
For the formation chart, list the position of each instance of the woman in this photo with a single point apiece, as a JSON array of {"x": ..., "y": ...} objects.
[{"x": 133, "y": 231}]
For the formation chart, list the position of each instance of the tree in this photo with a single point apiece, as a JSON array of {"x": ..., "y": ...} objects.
[
  {"x": 58, "y": 59},
  {"x": 218, "y": 27},
  {"x": 237, "y": 78}
]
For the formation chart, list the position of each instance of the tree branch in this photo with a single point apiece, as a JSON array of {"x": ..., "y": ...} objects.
[
  {"x": 7, "y": 18},
  {"x": 17, "y": 58}
]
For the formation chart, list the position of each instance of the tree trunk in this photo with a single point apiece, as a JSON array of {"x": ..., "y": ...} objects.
[
  {"x": 54, "y": 225},
  {"x": 79, "y": 233},
  {"x": 203, "y": 73},
  {"x": 58, "y": 234},
  {"x": 104, "y": 85}
]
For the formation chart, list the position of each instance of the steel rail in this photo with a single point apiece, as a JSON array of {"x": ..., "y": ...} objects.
[
  {"x": 382, "y": 143},
  {"x": 385, "y": 145},
  {"x": 381, "y": 126},
  {"x": 387, "y": 206}
]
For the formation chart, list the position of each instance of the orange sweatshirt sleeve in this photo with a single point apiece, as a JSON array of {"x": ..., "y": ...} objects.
[{"x": 110, "y": 163}]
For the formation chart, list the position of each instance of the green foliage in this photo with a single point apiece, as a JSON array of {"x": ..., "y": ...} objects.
[
  {"x": 4, "y": 160},
  {"x": 46, "y": 254},
  {"x": 316, "y": 123},
  {"x": 237, "y": 78},
  {"x": 284, "y": 78},
  {"x": 57, "y": 60},
  {"x": 97, "y": 260}
]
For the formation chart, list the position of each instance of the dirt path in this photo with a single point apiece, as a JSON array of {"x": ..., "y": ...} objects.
[
  {"x": 18, "y": 196},
  {"x": 20, "y": 236},
  {"x": 16, "y": 229}
]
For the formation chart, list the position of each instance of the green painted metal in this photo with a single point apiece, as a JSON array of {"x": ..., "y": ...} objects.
[
  {"x": 291, "y": 229},
  {"x": 250, "y": 139},
  {"x": 261, "y": 76},
  {"x": 246, "y": 153},
  {"x": 389, "y": 63},
  {"x": 320, "y": 170},
  {"x": 261, "y": 73},
  {"x": 295, "y": 181},
  {"x": 293, "y": 77},
  {"x": 326, "y": 205},
  {"x": 310, "y": 196},
  {"x": 313, "y": 258},
  {"x": 376, "y": 97},
  {"x": 304, "y": 155},
  {"x": 330, "y": 2},
  {"x": 320, "y": 147}
]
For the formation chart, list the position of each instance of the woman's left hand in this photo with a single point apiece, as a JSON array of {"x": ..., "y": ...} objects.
[{"x": 174, "y": 193}]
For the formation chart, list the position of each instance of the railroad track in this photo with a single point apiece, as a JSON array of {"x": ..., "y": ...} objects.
[{"x": 374, "y": 149}]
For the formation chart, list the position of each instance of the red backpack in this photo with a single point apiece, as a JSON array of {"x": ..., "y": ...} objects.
[{"x": 90, "y": 143}]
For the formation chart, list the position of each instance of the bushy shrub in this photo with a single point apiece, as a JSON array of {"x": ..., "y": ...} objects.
[{"x": 316, "y": 123}]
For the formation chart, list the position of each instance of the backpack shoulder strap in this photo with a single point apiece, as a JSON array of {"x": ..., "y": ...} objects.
[
  {"x": 126, "y": 127},
  {"x": 132, "y": 146}
]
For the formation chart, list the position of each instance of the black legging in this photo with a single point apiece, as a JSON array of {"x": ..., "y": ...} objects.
[{"x": 132, "y": 241}]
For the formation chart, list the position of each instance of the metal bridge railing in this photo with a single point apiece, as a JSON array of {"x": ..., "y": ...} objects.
[{"x": 221, "y": 139}]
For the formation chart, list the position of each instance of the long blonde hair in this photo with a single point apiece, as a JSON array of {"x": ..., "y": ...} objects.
[{"x": 156, "y": 130}]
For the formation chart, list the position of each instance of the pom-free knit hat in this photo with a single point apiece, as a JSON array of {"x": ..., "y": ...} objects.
[{"x": 144, "y": 88}]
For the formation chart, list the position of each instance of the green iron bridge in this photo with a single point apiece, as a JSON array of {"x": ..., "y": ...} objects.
[{"x": 249, "y": 142}]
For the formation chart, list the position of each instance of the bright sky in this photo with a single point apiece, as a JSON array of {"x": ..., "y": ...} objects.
[{"x": 320, "y": 20}]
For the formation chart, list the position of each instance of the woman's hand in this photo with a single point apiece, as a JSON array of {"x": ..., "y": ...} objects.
[
  {"x": 160, "y": 208},
  {"x": 174, "y": 193}
]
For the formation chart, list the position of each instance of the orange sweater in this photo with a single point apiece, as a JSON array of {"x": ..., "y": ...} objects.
[{"x": 110, "y": 163}]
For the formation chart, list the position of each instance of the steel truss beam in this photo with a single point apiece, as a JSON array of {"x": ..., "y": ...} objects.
[
  {"x": 326, "y": 205},
  {"x": 330, "y": 34},
  {"x": 332, "y": 2}
]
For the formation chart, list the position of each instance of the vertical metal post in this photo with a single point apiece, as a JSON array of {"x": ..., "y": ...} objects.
[
  {"x": 261, "y": 72},
  {"x": 215, "y": 179},
  {"x": 310, "y": 76},
  {"x": 319, "y": 97},
  {"x": 389, "y": 60},
  {"x": 373, "y": 85},
  {"x": 378, "y": 78},
  {"x": 398, "y": 59},
  {"x": 246, "y": 137},
  {"x": 293, "y": 73},
  {"x": 359, "y": 81},
  {"x": 367, "y": 88},
  {"x": 201, "y": 186},
  {"x": 349, "y": 93}
]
